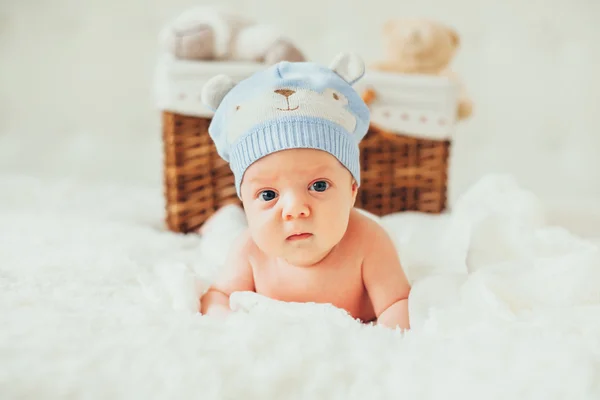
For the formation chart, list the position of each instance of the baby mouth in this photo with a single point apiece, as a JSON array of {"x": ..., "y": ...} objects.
[{"x": 299, "y": 236}]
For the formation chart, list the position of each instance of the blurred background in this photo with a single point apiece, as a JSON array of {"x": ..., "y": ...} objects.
[{"x": 76, "y": 86}]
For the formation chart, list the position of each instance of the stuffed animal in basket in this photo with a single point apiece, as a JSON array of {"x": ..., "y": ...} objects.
[
  {"x": 421, "y": 46},
  {"x": 214, "y": 33}
]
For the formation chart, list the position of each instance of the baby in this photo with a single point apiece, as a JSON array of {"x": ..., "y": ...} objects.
[{"x": 291, "y": 135}]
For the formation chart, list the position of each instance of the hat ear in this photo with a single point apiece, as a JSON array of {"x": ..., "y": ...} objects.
[
  {"x": 349, "y": 66},
  {"x": 215, "y": 90}
]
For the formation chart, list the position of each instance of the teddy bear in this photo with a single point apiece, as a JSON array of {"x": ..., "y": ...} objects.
[
  {"x": 423, "y": 46},
  {"x": 211, "y": 33}
]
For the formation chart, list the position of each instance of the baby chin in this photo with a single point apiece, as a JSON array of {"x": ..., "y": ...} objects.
[{"x": 304, "y": 249}]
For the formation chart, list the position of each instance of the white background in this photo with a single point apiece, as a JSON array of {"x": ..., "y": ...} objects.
[{"x": 76, "y": 84}]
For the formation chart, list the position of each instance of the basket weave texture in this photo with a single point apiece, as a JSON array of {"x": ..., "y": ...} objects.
[
  {"x": 402, "y": 173},
  {"x": 398, "y": 173},
  {"x": 197, "y": 181}
]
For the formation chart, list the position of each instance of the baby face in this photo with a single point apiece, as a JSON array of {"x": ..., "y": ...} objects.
[{"x": 297, "y": 204}]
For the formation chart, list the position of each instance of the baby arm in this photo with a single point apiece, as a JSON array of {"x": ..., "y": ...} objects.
[
  {"x": 236, "y": 276},
  {"x": 385, "y": 281}
]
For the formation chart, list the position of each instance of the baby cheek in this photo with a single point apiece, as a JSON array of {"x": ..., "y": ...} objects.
[
  {"x": 336, "y": 222},
  {"x": 262, "y": 225},
  {"x": 256, "y": 218}
]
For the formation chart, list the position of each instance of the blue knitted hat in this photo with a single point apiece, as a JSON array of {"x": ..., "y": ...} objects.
[{"x": 289, "y": 105}]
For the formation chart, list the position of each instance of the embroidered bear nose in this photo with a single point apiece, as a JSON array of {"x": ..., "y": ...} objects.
[{"x": 285, "y": 92}]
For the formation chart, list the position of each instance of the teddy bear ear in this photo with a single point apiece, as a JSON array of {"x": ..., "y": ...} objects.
[
  {"x": 349, "y": 66},
  {"x": 215, "y": 90},
  {"x": 454, "y": 36}
]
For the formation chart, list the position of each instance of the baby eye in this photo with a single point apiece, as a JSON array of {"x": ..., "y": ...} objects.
[
  {"x": 267, "y": 195},
  {"x": 237, "y": 108},
  {"x": 335, "y": 96},
  {"x": 319, "y": 186}
]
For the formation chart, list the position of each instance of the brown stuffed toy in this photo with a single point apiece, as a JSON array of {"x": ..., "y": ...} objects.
[
  {"x": 210, "y": 33},
  {"x": 421, "y": 46}
]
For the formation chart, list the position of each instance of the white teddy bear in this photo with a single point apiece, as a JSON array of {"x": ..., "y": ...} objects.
[{"x": 218, "y": 34}]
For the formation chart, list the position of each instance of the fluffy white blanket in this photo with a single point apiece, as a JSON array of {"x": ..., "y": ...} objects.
[{"x": 98, "y": 301}]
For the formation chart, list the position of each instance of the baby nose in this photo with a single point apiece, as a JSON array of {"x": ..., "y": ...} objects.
[
  {"x": 295, "y": 208},
  {"x": 285, "y": 92}
]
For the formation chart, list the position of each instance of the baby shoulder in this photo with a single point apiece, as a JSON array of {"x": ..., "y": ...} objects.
[
  {"x": 369, "y": 232},
  {"x": 375, "y": 243},
  {"x": 243, "y": 246}
]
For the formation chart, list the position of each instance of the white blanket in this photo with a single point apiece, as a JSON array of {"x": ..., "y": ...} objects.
[{"x": 98, "y": 301}]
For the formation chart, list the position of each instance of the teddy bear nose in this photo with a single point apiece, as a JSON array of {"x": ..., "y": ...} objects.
[
  {"x": 285, "y": 92},
  {"x": 416, "y": 37}
]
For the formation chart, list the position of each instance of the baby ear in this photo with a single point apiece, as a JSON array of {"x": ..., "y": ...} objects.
[
  {"x": 349, "y": 66},
  {"x": 215, "y": 90},
  {"x": 354, "y": 189}
]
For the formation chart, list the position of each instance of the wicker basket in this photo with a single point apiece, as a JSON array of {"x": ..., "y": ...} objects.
[
  {"x": 197, "y": 181},
  {"x": 399, "y": 171}
]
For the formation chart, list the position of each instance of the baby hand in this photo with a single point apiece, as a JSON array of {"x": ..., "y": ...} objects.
[
  {"x": 218, "y": 310},
  {"x": 395, "y": 316},
  {"x": 247, "y": 301}
]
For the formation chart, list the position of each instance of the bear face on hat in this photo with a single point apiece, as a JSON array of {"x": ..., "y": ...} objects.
[{"x": 286, "y": 103}]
